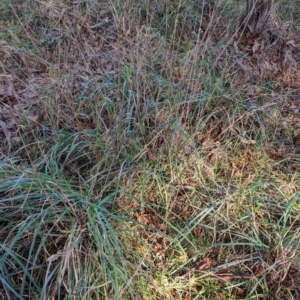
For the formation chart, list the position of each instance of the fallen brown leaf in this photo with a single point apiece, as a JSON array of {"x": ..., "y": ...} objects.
[
  {"x": 203, "y": 265},
  {"x": 6, "y": 131}
]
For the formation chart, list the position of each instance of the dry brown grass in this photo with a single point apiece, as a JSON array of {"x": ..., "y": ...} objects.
[{"x": 150, "y": 150}]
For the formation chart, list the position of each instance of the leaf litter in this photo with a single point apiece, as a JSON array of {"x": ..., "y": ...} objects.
[{"x": 264, "y": 53}]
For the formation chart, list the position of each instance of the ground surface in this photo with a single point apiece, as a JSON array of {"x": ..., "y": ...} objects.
[{"x": 149, "y": 150}]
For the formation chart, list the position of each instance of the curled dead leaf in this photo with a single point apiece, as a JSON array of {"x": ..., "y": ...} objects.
[
  {"x": 256, "y": 46},
  {"x": 6, "y": 131},
  {"x": 204, "y": 264}
]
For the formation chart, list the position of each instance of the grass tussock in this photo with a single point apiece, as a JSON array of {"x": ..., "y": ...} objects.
[{"x": 149, "y": 150}]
